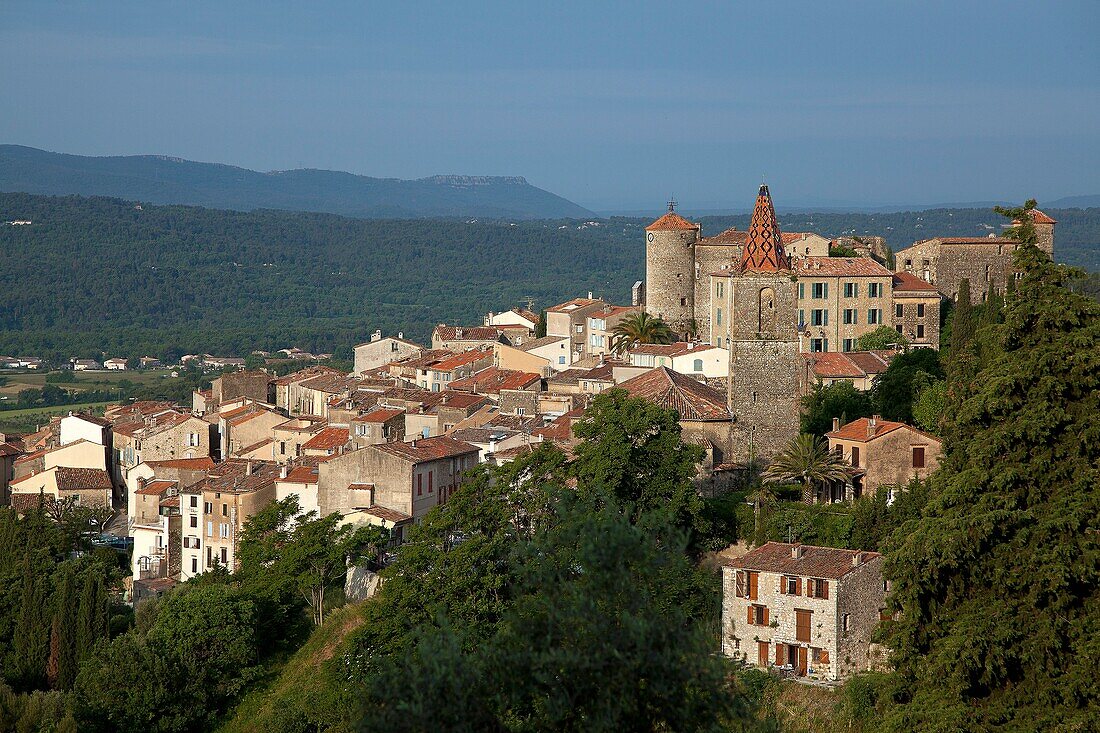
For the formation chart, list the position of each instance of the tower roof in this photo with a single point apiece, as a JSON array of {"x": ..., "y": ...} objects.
[
  {"x": 671, "y": 222},
  {"x": 763, "y": 250}
]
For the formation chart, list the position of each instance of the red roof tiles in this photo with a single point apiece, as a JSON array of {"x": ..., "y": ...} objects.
[
  {"x": 671, "y": 222},
  {"x": 427, "y": 449},
  {"x": 763, "y": 250},
  {"x": 692, "y": 399},
  {"x": 327, "y": 439},
  {"x": 466, "y": 333},
  {"x": 814, "y": 562},
  {"x": 905, "y": 282},
  {"x": 861, "y": 430},
  {"x": 839, "y": 267},
  {"x": 494, "y": 379}
]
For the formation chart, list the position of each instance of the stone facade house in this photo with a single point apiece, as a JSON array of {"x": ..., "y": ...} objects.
[
  {"x": 884, "y": 453},
  {"x": 91, "y": 487},
  {"x": 380, "y": 351},
  {"x": 247, "y": 426},
  {"x": 255, "y": 385},
  {"x": 288, "y": 437},
  {"x": 154, "y": 525},
  {"x": 570, "y": 319},
  {"x": 917, "y": 310},
  {"x": 163, "y": 436},
  {"x": 286, "y": 393},
  {"x": 408, "y": 477},
  {"x": 809, "y": 610},
  {"x": 860, "y": 368},
  {"x": 463, "y": 338},
  {"x": 380, "y": 425}
]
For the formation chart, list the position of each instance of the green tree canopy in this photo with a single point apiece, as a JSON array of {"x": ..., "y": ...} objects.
[
  {"x": 895, "y": 389},
  {"x": 883, "y": 337},
  {"x": 838, "y": 400},
  {"x": 640, "y": 328}
]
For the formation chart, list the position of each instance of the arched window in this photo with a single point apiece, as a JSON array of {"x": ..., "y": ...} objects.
[{"x": 698, "y": 365}]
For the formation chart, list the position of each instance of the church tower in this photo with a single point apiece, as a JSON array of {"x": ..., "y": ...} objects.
[
  {"x": 670, "y": 270},
  {"x": 764, "y": 385}
]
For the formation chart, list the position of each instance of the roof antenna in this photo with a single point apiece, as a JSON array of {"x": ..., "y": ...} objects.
[{"x": 672, "y": 203}]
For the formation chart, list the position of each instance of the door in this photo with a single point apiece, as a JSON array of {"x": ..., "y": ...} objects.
[
  {"x": 762, "y": 653},
  {"x": 802, "y": 657}
]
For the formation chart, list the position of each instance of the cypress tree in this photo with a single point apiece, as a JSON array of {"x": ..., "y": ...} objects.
[
  {"x": 87, "y": 617},
  {"x": 31, "y": 637},
  {"x": 962, "y": 322},
  {"x": 63, "y": 652}
]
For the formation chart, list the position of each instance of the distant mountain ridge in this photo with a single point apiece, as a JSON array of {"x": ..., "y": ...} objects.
[{"x": 162, "y": 179}]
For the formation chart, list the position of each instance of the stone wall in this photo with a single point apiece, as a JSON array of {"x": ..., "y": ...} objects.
[
  {"x": 911, "y": 319},
  {"x": 860, "y": 595},
  {"x": 670, "y": 277},
  {"x": 251, "y": 384},
  {"x": 708, "y": 259}
]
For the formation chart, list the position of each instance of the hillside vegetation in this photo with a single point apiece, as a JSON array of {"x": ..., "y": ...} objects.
[{"x": 96, "y": 274}]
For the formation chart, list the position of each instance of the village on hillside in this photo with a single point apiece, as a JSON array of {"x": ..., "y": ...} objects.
[{"x": 731, "y": 331}]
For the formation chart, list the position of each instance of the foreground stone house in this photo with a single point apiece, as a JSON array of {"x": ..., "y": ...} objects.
[
  {"x": 804, "y": 609},
  {"x": 884, "y": 453}
]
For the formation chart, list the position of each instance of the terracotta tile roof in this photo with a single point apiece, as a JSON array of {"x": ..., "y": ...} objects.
[
  {"x": 1038, "y": 217},
  {"x": 330, "y": 383},
  {"x": 254, "y": 447},
  {"x": 494, "y": 379},
  {"x": 524, "y": 313},
  {"x": 482, "y": 435},
  {"x": 522, "y": 423},
  {"x": 187, "y": 464},
  {"x": 75, "y": 479},
  {"x": 872, "y": 362},
  {"x": 389, "y": 515},
  {"x": 858, "y": 429},
  {"x": 539, "y": 342},
  {"x": 460, "y": 400},
  {"x": 832, "y": 364},
  {"x": 233, "y": 475},
  {"x": 23, "y": 503},
  {"x": 693, "y": 400},
  {"x": 466, "y": 333},
  {"x": 94, "y": 419},
  {"x": 816, "y": 562},
  {"x": 8, "y": 450},
  {"x": 513, "y": 453},
  {"x": 304, "y": 374},
  {"x": 301, "y": 475},
  {"x": 567, "y": 376},
  {"x": 156, "y": 488},
  {"x": 426, "y": 449},
  {"x": 461, "y": 359},
  {"x": 763, "y": 250},
  {"x": 675, "y": 349},
  {"x": 603, "y": 372},
  {"x": 570, "y": 306},
  {"x": 907, "y": 282},
  {"x": 327, "y": 439},
  {"x": 671, "y": 222},
  {"x": 170, "y": 501},
  {"x": 380, "y": 415},
  {"x": 839, "y": 267}
]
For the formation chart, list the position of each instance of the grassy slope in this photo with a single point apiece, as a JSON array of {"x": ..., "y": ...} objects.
[{"x": 297, "y": 676}]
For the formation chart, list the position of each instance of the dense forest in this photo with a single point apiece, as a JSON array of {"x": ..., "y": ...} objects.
[{"x": 94, "y": 275}]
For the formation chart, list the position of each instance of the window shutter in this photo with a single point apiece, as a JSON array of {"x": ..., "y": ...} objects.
[
  {"x": 780, "y": 654},
  {"x": 740, "y": 584},
  {"x": 754, "y": 579},
  {"x": 824, "y": 656},
  {"x": 825, "y": 589},
  {"x": 798, "y": 587},
  {"x": 765, "y": 615},
  {"x": 750, "y": 618}
]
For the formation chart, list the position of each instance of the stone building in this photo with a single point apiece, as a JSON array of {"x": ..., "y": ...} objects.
[
  {"x": 841, "y": 299},
  {"x": 985, "y": 261},
  {"x": 884, "y": 453},
  {"x": 809, "y": 610},
  {"x": 570, "y": 320},
  {"x": 917, "y": 310},
  {"x": 255, "y": 385},
  {"x": 380, "y": 351},
  {"x": 765, "y": 383},
  {"x": 461, "y": 338}
]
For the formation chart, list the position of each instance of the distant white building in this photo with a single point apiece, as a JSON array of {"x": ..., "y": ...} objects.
[{"x": 117, "y": 365}]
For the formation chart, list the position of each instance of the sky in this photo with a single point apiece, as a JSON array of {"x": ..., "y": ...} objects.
[{"x": 614, "y": 105}]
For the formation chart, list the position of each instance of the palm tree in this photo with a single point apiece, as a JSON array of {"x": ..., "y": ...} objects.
[
  {"x": 808, "y": 461},
  {"x": 762, "y": 495},
  {"x": 640, "y": 328}
]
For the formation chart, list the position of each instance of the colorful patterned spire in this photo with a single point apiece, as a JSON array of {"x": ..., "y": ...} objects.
[{"x": 763, "y": 250}]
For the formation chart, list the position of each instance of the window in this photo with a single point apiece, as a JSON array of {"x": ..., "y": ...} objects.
[
  {"x": 697, "y": 365},
  {"x": 801, "y": 290},
  {"x": 223, "y": 531},
  {"x": 920, "y": 330},
  {"x": 817, "y": 588},
  {"x": 801, "y": 318},
  {"x": 802, "y": 624},
  {"x": 846, "y": 623},
  {"x": 791, "y": 585},
  {"x": 425, "y": 432},
  {"x": 192, "y": 440},
  {"x": 718, "y": 289},
  {"x": 855, "y": 456},
  {"x": 360, "y": 429},
  {"x": 899, "y": 310},
  {"x": 194, "y": 565},
  {"x": 849, "y": 344},
  {"x": 819, "y": 290},
  {"x": 521, "y": 411},
  {"x": 758, "y": 615},
  {"x": 918, "y": 457},
  {"x": 909, "y": 263},
  {"x": 209, "y": 528},
  {"x": 225, "y": 556},
  {"x": 207, "y": 508},
  {"x": 561, "y": 359},
  {"x": 850, "y": 316},
  {"x": 819, "y": 345},
  {"x": 874, "y": 316},
  {"x": 580, "y": 328},
  {"x": 430, "y": 482},
  {"x": 851, "y": 290},
  {"x": 194, "y": 502},
  {"x": 419, "y": 484},
  {"x": 874, "y": 290},
  {"x": 194, "y": 521},
  {"x": 225, "y": 510},
  {"x": 920, "y": 310},
  {"x": 683, "y": 301},
  {"x": 718, "y": 317},
  {"x": 747, "y": 584},
  {"x": 819, "y": 317}
]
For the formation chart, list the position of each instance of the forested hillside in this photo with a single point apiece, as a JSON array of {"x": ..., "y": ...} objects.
[
  {"x": 165, "y": 180},
  {"x": 96, "y": 274}
]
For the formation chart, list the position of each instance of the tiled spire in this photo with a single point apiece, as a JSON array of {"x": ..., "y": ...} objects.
[{"x": 763, "y": 250}]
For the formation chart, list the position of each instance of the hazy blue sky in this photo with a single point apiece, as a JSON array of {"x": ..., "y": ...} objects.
[{"x": 613, "y": 105}]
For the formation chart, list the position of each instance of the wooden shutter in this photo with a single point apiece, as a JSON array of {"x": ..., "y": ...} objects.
[
  {"x": 825, "y": 589},
  {"x": 762, "y": 653},
  {"x": 765, "y": 615},
  {"x": 824, "y": 658},
  {"x": 750, "y": 618},
  {"x": 802, "y": 625},
  {"x": 754, "y": 582},
  {"x": 798, "y": 587},
  {"x": 780, "y": 654},
  {"x": 740, "y": 588},
  {"x": 802, "y": 660}
]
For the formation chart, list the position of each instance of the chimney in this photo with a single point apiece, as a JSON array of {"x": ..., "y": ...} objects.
[
  {"x": 414, "y": 442},
  {"x": 248, "y": 468},
  {"x": 282, "y": 471},
  {"x": 590, "y": 295},
  {"x": 872, "y": 425},
  {"x": 797, "y": 552},
  {"x": 376, "y": 336},
  {"x": 857, "y": 558},
  {"x": 836, "y": 424},
  {"x": 400, "y": 334}
]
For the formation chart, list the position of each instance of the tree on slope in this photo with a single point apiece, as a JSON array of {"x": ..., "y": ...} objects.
[
  {"x": 997, "y": 579},
  {"x": 807, "y": 461}
]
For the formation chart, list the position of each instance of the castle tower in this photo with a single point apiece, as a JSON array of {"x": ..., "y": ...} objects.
[
  {"x": 1044, "y": 231},
  {"x": 670, "y": 270},
  {"x": 765, "y": 367}
]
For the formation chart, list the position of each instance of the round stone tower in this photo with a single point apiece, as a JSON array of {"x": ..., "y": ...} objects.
[{"x": 670, "y": 270}]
